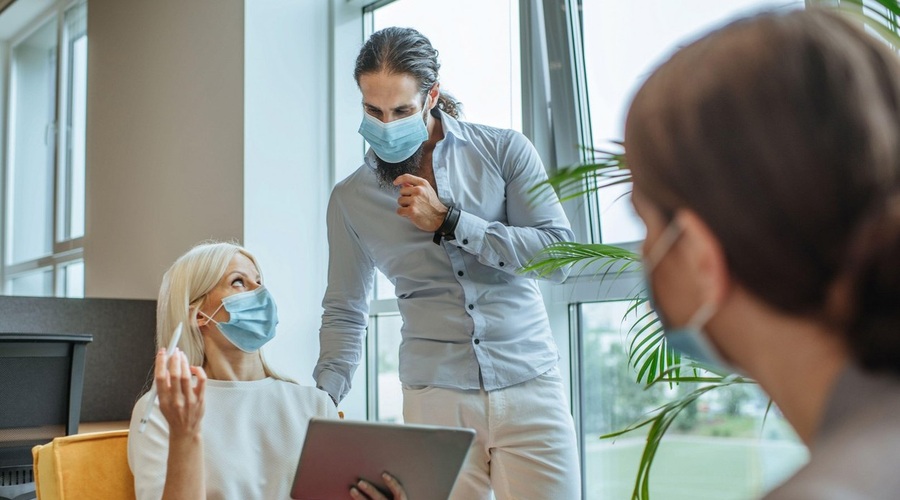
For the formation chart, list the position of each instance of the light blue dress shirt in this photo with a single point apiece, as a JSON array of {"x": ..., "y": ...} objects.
[{"x": 467, "y": 309}]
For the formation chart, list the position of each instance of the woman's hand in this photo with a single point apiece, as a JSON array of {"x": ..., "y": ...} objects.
[
  {"x": 180, "y": 401},
  {"x": 366, "y": 491}
]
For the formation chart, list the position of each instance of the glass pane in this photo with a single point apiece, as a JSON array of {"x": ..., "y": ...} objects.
[
  {"x": 719, "y": 448},
  {"x": 390, "y": 392},
  {"x": 384, "y": 289},
  {"x": 35, "y": 283},
  {"x": 481, "y": 69},
  {"x": 32, "y": 145},
  {"x": 74, "y": 279},
  {"x": 73, "y": 187},
  {"x": 623, "y": 42}
]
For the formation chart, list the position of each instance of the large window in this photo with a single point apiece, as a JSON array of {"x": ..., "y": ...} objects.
[
  {"x": 45, "y": 74},
  {"x": 623, "y": 43},
  {"x": 481, "y": 70},
  {"x": 480, "y": 67},
  {"x": 719, "y": 447},
  {"x": 576, "y": 65},
  {"x": 728, "y": 445}
]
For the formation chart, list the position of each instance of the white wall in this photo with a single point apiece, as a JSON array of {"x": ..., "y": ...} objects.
[
  {"x": 287, "y": 168},
  {"x": 216, "y": 119},
  {"x": 165, "y": 126}
]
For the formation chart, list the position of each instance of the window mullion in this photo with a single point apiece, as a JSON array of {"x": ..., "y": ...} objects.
[
  {"x": 372, "y": 368},
  {"x": 60, "y": 138},
  {"x": 576, "y": 353}
]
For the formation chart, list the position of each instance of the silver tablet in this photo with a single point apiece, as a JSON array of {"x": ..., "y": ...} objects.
[{"x": 337, "y": 453}]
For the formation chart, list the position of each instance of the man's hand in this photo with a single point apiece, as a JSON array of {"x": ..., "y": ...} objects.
[{"x": 419, "y": 203}]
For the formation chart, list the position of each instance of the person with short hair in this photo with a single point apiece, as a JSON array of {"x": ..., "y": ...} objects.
[{"x": 766, "y": 165}]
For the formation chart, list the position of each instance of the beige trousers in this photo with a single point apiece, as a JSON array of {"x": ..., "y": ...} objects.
[{"x": 525, "y": 444}]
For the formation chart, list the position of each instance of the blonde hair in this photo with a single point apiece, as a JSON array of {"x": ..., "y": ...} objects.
[{"x": 184, "y": 289}]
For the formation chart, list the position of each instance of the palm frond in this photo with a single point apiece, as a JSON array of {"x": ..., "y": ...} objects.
[
  {"x": 596, "y": 259},
  {"x": 607, "y": 168},
  {"x": 661, "y": 419},
  {"x": 882, "y": 16}
]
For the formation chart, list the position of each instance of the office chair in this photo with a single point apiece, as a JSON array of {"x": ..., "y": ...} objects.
[
  {"x": 92, "y": 465},
  {"x": 41, "y": 382}
]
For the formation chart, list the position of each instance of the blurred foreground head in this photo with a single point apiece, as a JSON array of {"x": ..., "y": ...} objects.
[{"x": 782, "y": 133}]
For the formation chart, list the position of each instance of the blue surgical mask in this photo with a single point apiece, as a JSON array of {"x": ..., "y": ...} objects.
[
  {"x": 253, "y": 317},
  {"x": 395, "y": 141},
  {"x": 689, "y": 340}
]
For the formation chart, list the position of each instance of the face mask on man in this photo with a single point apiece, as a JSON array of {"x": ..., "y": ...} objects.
[
  {"x": 689, "y": 340},
  {"x": 394, "y": 141},
  {"x": 253, "y": 317}
]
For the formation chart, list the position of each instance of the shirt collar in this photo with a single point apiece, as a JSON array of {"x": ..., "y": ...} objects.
[{"x": 451, "y": 127}]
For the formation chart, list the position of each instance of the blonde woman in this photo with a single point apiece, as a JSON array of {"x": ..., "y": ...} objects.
[{"x": 226, "y": 426}]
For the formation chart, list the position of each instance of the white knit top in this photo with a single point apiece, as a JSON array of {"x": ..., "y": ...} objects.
[{"x": 252, "y": 436}]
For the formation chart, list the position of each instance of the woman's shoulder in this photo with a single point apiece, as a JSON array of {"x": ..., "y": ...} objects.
[
  {"x": 304, "y": 394},
  {"x": 294, "y": 387}
]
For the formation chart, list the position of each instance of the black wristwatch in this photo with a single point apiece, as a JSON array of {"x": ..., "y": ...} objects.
[{"x": 448, "y": 227}]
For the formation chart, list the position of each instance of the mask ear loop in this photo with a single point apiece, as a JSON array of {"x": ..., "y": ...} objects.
[
  {"x": 425, "y": 108},
  {"x": 209, "y": 317},
  {"x": 703, "y": 315},
  {"x": 666, "y": 240}
]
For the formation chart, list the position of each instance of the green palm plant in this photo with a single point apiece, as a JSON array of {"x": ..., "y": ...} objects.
[{"x": 649, "y": 356}]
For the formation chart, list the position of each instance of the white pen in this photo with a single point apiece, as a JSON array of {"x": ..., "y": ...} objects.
[{"x": 152, "y": 399}]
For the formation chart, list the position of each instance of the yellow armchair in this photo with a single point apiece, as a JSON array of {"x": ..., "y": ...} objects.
[{"x": 92, "y": 465}]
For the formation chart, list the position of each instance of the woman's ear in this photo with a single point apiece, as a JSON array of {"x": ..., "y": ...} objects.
[
  {"x": 704, "y": 257},
  {"x": 199, "y": 317}
]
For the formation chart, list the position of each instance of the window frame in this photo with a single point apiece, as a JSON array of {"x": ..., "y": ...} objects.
[
  {"x": 64, "y": 251},
  {"x": 554, "y": 137},
  {"x": 552, "y": 74}
]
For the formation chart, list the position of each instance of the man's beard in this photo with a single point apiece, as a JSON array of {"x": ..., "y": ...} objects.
[{"x": 387, "y": 171}]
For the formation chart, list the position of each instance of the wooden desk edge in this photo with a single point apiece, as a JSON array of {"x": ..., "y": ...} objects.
[{"x": 116, "y": 425}]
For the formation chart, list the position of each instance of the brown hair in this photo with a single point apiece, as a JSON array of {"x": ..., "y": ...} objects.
[
  {"x": 782, "y": 132},
  {"x": 405, "y": 51}
]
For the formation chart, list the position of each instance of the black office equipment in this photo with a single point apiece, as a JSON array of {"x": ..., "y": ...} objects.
[{"x": 41, "y": 386}]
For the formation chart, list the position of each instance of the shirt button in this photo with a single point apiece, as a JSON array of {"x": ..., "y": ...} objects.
[
  {"x": 466, "y": 241},
  {"x": 471, "y": 306},
  {"x": 477, "y": 341},
  {"x": 460, "y": 273},
  {"x": 502, "y": 264}
]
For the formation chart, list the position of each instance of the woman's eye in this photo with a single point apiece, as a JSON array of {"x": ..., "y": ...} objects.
[{"x": 238, "y": 282}]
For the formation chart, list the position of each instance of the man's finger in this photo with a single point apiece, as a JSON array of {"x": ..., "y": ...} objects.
[{"x": 409, "y": 179}]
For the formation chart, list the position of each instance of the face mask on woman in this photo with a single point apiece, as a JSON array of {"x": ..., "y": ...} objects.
[
  {"x": 689, "y": 340},
  {"x": 253, "y": 317},
  {"x": 394, "y": 141}
]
